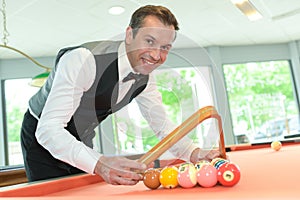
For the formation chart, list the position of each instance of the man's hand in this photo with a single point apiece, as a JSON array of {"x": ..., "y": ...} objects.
[
  {"x": 119, "y": 170},
  {"x": 201, "y": 154}
]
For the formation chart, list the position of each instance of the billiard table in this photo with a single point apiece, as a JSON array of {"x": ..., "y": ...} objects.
[{"x": 265, "y": 174}]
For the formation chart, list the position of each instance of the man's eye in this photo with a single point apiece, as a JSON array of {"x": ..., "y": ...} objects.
[
  {"x": 165, "y": 48},
  {"x": 150, "y": 42}
]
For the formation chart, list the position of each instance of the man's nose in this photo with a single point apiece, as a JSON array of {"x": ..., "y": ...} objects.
[{"x": 155, "y": 53}]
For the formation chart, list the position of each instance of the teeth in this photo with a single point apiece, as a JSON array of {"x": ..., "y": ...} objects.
[{"x": 149, "y": 63}]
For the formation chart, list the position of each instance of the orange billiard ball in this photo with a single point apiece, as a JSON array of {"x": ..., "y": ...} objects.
[
  {"x": 276, "y": 145},
  {"x": 168, "y": 177},
  {"x": 151, "y": 178}
]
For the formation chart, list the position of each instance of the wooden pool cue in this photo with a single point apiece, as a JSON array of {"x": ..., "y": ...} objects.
[{"x": 183, "y": 129}]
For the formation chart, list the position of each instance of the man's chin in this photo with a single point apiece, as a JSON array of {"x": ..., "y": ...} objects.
[
  {"x": 146, "y": 72},
  {"x": 145, "y": 69},
  {"x": 141, "y": 71}
]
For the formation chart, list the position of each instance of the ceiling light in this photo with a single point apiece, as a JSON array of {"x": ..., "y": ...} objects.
[
  {"x": 116, "y": 10},
  {"x": 248, "y": 9}
]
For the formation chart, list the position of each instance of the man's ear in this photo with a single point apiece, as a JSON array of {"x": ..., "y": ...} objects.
[{"x": 129, "y": 35}]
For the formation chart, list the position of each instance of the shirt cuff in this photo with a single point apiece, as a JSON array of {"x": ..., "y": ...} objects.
[{"x": 87, "y": 159}]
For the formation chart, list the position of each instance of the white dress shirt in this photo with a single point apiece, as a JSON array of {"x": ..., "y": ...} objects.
[{"x": 75, "y": 74}]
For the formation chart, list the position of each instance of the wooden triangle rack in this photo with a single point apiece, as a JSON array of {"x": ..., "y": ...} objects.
[{"x": 182, "y": 130}]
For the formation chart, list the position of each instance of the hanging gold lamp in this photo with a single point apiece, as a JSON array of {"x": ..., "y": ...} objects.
[{"x": 37, "y": 81}]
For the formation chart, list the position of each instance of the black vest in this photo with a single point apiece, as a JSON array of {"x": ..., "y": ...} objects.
[{"x": 100, "y": 100}]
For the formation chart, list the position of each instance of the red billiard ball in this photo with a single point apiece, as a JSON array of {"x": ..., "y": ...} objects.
[
  {"x": 207, "y": 175},
  {"x": 168, "y": 177},
  {"x": 151, "y": 178},
  {"x": 187, "y": 175},
  {"x": 228, "y": 174}
]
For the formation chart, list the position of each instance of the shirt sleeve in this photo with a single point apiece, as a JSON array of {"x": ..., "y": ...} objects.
[
  {"x": 150, "y": 104},
  {"x": 75, "y": 74}
]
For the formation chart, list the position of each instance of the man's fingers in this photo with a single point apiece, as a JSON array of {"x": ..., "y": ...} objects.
[
  {"x": 128, "y": 174},
  {"x": 120, "y": 170},
  {"x": 117, "y": 180},
  {"x": 132, "y": 164}
]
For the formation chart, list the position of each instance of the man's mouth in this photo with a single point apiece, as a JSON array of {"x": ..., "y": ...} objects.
[{"x": 148, "y": 62}]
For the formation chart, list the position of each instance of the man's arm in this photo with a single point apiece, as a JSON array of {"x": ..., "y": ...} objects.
[
  {"x": 150, "y": 104},
  {"x": 75, "y": 74}
]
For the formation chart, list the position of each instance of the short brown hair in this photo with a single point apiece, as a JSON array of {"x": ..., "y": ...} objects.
[{"x": 162, "y": 13}]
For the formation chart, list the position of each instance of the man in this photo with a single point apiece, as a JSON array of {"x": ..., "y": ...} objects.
[{"x": 85, "y": 87}]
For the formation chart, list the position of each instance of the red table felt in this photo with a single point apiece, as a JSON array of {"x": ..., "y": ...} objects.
[{"x": 265, "y": 174}]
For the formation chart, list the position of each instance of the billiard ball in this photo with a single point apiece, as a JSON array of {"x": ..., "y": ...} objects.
[
  {"x": 276, "y": 145},
  {"x": 207, "y": 175},
  {"x": 228, "y": 174},
  {"x": 187, "y": 175},
  {"x": 219, "y": 163},
  {"x": 168, "y": 177},
  {"x": 151, "y": 178},
  {"x": 216, "y": 162},
  {"x": 200, "y": 163}
]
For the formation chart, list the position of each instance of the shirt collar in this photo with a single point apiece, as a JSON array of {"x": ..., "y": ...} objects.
[{"x": 123, "y": 62}]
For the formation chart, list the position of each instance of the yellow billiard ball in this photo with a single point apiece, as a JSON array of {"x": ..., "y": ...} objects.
[
  {"x": 276, "y": 145},
  {"x": 168, "y": 177}
]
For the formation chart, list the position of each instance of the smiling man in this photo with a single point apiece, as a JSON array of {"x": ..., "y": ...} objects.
[
  {"x": 147, "y": 47},
  {"x": 90, "y": 82}
]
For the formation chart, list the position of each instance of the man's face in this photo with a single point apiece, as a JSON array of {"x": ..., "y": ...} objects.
[{"x": 150, "y": 46}]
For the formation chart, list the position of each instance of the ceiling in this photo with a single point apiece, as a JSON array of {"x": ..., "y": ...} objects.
[{"x": 42, "y": 27}]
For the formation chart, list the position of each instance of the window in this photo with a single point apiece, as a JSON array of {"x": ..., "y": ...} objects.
[
  {"x": 17, "y": 93},
  {"x": 184, "y": 91},
  {"x": 262, "y": 101}
]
